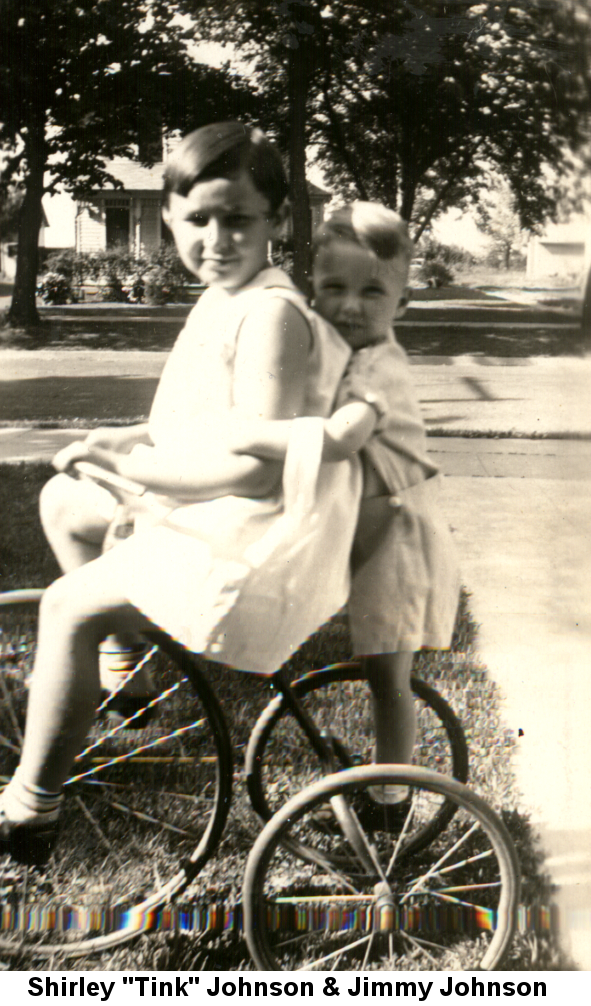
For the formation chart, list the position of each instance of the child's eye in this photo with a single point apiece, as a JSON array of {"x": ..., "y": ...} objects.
[
  {"x": 199, "y": 220},
  {"x": 332, "y": 287},
  {"x": 373, "y": 291},
  {"x": 238, "y": 220}
]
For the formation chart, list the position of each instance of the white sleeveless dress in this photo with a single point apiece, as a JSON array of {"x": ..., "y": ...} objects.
[{"x": 245, "y": 581}]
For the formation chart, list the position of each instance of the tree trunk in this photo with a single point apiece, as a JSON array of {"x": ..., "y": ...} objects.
[
  {"x": 586, "y": 316},
  {"x": 23, "y": 311},
  {"x": 298, "y": 75}
]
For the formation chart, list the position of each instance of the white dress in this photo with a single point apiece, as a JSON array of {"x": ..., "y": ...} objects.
[
  {"x": 245, "y": 581},
  {"x": 405, "y": 578}
]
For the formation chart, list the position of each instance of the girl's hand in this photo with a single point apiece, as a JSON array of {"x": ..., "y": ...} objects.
[
  {"x": 121, "y": 439},
  {"x": 64, "y": 459}
]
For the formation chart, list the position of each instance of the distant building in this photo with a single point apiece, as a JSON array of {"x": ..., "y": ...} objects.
[
  {"x": 8, "y": 249},
  {"x": 131, "y": 215},
  {"x": 562, "y": 250}
]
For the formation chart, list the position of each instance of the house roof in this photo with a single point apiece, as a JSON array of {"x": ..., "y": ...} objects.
[{"x": 137, "y": 177}]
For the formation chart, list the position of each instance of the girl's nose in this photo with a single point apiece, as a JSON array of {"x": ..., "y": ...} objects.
[{"x": 216, "y": 235}]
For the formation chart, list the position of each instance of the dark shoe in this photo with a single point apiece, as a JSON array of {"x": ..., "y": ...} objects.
[
  {"x": 376, "y": 816},
  {"x": 123, "y": 707},
  {"x": 29, "y": 844}
]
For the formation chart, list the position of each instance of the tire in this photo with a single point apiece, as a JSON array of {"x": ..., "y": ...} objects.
[
  {"x": 447, "y": 908},
  {"x": 143, "y": 810},
  {"x": 280, "y": 760}
]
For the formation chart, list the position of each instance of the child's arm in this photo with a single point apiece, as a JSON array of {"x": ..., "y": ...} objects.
[{"x": 345, "y": 433}]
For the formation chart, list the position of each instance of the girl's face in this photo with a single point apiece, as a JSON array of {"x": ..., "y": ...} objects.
[
  {"x": 357, "y": 292},
  {"x": 222, "y": 230}
]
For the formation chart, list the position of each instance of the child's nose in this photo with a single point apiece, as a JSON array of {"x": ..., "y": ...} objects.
[{"x": 351, "y": 304}]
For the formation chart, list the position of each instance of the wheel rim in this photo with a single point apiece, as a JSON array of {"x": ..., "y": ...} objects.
[
  {"x": 280, "y": 760},
  {"x": 448, "y": 907},
  {"x": 142, "y": 812}
]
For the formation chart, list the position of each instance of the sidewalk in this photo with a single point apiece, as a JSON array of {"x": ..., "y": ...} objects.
[
  {"x": 520, "y": 510},
  {"x": 541, "y": 396}
]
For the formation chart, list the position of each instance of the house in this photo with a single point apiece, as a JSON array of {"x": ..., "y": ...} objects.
[
  {"x": 562, "y": 250},
  {"x": 8, "y": 249},
  {"x": 128, "y": 216},
  {"x": 131, "y": 215}
]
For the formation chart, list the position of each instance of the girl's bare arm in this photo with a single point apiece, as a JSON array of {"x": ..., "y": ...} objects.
[{"x": 270, "y": 377}]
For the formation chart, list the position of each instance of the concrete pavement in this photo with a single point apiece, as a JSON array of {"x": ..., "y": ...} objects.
[
  {"x": 520, "y": 510},
  {"x": 540, "y": 396}
]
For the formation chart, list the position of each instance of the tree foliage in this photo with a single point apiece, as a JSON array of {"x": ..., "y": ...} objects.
[
  {"x": 405, "y": 98},
  {"x": 496, "y": 215},
  {"x": 85, "y": 80}
]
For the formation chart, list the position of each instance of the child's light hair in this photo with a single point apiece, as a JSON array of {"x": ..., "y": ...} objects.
[{"x": 370, "y": 225}]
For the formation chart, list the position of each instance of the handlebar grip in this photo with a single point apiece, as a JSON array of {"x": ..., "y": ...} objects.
[{"x": 107, "y": 478}]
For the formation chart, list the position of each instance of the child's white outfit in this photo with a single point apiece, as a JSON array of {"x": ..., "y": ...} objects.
[
  {"x": 245, "y": 581},
  {"x": 405, "y": 586}
]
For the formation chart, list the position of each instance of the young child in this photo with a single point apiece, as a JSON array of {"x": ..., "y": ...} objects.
[
  {"x": 405, "y": 581},
  {"x": 236, "y": 537}
]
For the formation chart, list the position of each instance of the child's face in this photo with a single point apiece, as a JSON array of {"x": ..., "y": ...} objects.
[
  {"x": 357, "y": 292},
  {"x": 222, "y": 229}
]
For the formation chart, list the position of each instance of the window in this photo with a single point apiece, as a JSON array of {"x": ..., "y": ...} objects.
[{"x": 117, "y": 224}]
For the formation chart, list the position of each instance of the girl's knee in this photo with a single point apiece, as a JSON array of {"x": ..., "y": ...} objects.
[
  {"x": 56, "y": 499},
  {"x": 70, "y": 506},
  {"x": 65, "y": 610}
]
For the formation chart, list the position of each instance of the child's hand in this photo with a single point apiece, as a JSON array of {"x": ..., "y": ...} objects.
[{"x": 64, "y": 459}]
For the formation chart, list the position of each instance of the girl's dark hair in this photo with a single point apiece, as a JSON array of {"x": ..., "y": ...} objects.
[
  {"x": 369, "y": 225},
  {"x": 219, "y": 151}
]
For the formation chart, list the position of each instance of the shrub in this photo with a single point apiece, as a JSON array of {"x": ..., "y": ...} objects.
[
  {"x": 159, "y": 277},
  {"x": 112, "y": 268},
  {"x": 448, "y": 255},
  {"x": 56, "y": 288},
  {"x": 282, "y": 255},
  {"x": 165, "y": 276},
  {"x": 436, "y": 274},
  {"x": 70, "y": 264}
]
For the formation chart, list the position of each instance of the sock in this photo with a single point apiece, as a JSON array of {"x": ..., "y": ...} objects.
[
  {"x": 389, "y": 794},
  {"x": 117, "y": 661},
  {"x": 22, "y": 802}
]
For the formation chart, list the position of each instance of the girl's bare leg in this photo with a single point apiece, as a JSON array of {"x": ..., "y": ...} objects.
[
  {"x": 74, "y": 515},
  {"x": 72, "y": 520},
  {"x": 76, "y": 613},
  {"x": 388, "y": 675}
]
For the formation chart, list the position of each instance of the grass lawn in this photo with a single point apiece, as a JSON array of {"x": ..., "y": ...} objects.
[
  {"x": 25, "y": 561},
  {"x": 474, "y": 291}
]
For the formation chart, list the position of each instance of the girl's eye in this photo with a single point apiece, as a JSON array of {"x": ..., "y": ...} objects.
[
  {"x": 373, "y": 291},
  {"x": 332, "y": 288},
  {"x": 198, "y": 220}
]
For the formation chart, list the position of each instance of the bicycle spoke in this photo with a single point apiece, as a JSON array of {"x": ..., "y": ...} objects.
[
  {"x": 422, "y": 945},
  {"x": 153, "y": 820},
  {"x": 428, "y": 891},
  {"x": 335, "y": 953},
  {"x": 145, "y": 800},
  {"x": 434, "y": 869},
  {"x": 90, "y": 817},
  {"x": 9, "y": 706}
]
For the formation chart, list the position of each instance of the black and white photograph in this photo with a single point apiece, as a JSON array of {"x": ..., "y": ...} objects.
[{"x": 295, "y": 496}]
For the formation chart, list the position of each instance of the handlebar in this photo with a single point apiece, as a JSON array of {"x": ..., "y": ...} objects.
[{"x": 107, "y": 478}]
